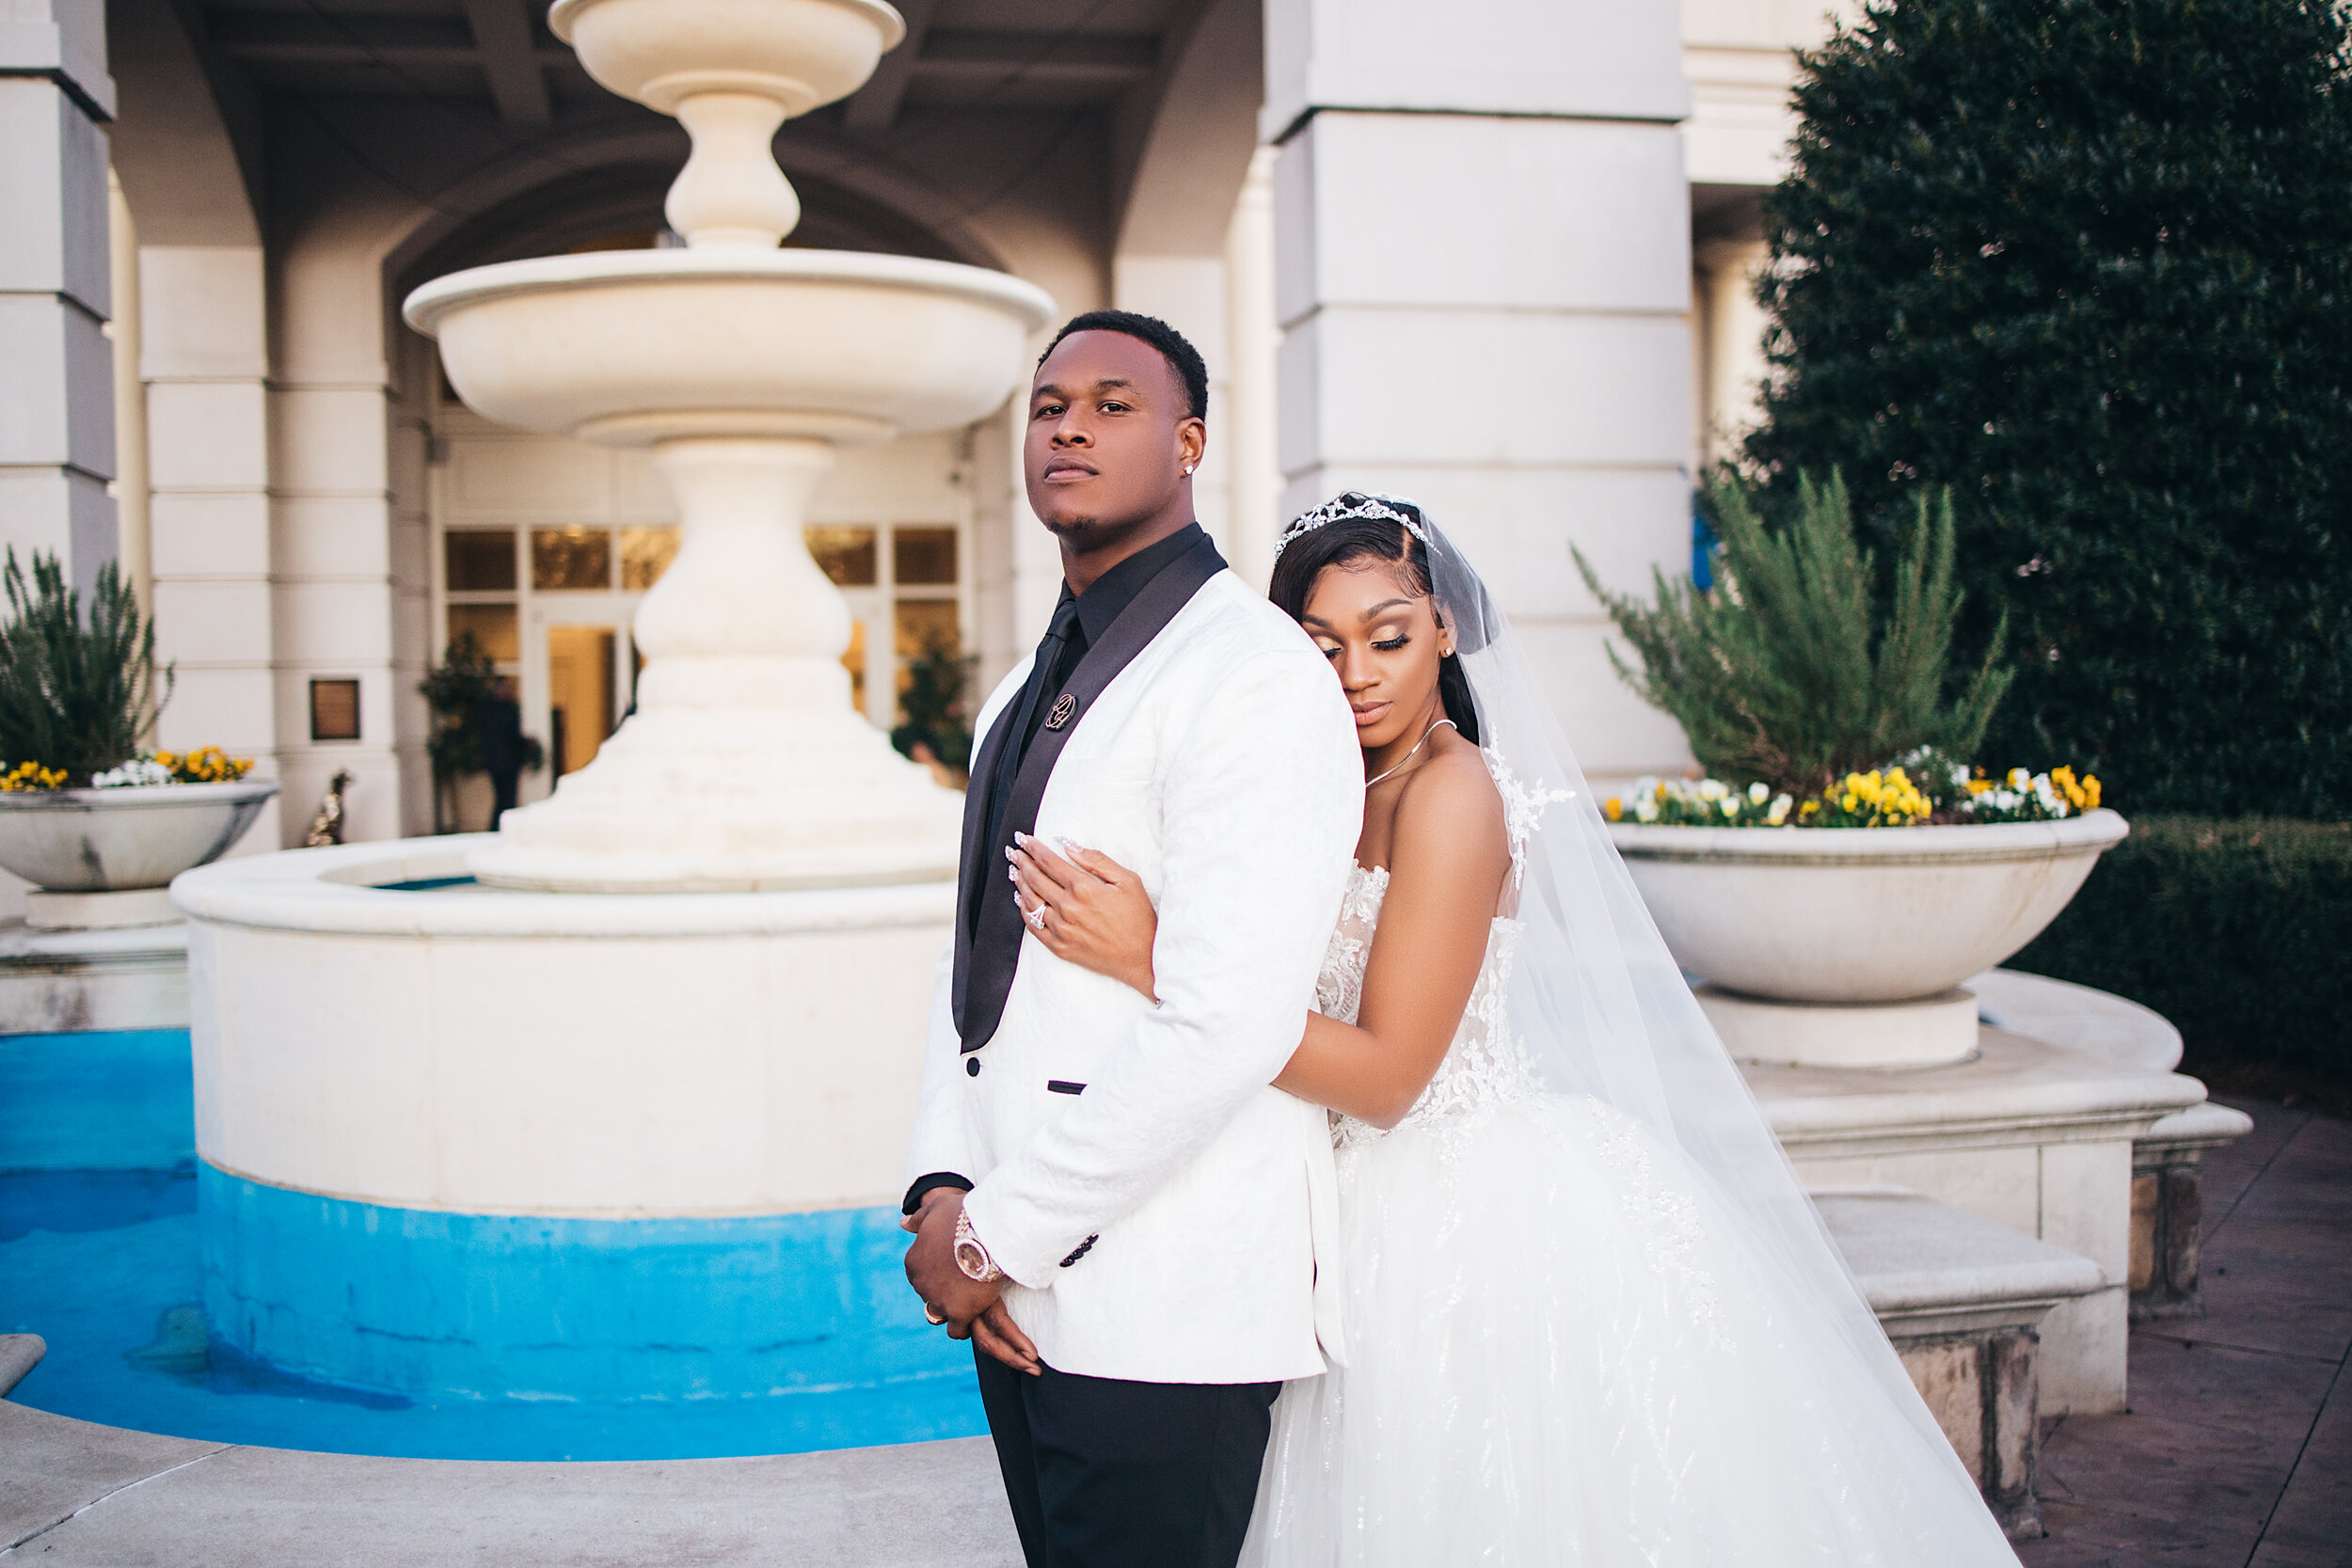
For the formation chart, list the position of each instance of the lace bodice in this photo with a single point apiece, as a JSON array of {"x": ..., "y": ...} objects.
[{"x": 1484, "y": 1066}]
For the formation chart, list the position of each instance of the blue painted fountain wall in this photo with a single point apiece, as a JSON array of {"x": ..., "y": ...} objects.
[
  {"x": 293, "y": 1319},
  {"x": 418, "y": 1302}
]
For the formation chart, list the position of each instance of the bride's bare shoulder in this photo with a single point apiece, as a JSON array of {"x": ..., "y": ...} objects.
[{"x": 1449, "y": 809}]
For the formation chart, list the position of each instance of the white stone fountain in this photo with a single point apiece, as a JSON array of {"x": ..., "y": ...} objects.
[
  {"x": 742, "y": 367},
  {"x": 485, "y": 1116}
]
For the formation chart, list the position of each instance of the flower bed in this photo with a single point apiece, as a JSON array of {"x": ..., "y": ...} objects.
[
  {"x": 208, "y": 765},
  {"x": 1882, "y": 798}
]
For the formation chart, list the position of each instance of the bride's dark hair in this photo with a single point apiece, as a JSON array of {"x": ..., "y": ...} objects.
[{"x": 1353, "y": 539}]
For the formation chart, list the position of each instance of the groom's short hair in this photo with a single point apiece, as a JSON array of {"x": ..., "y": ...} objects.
[{"x": 1181, "y": 356}]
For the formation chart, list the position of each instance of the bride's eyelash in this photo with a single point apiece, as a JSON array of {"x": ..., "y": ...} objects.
[{"x": 1393, "y": 644}]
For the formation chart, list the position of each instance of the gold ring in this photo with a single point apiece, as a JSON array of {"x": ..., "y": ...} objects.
[{"x": 934, "y": 1315}]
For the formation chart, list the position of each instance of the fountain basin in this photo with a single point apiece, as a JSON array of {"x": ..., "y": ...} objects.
[
  {"x": 460, "y": 1141},
  {"x": 627, "y": 348},
  {"x": 658, "y": 52}
]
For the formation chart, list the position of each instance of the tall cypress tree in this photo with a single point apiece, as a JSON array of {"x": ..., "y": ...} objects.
[{"x": 2090, "y": 263}]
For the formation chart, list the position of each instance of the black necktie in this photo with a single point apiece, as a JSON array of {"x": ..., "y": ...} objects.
[{"x": 1045, "y": 674}]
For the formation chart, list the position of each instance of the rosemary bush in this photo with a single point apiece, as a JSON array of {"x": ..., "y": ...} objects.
[
  {"x": 78, "y": 695},
  {"x": 1788, "y": 672}
]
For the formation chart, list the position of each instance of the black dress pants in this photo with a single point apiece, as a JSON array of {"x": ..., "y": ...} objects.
[{"x": 1103, "y": 1473}]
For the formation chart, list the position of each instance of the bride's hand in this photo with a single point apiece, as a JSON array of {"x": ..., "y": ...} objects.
[{"x": 1087, "y": 908}]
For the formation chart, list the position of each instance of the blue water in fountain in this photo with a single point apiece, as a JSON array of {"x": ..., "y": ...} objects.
[{"x": 101, "y": 1254}]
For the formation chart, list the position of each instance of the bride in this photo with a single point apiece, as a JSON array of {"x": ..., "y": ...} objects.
[{"x": 1591, "y": 1316}]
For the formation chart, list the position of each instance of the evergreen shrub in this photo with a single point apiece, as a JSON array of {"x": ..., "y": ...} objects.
[
  {"x": 2234, "y": 931},
  {"x": 78, "y": 693},
  {"x": 1793, "y": 670},
  {"x": 2088, "y": 262}
]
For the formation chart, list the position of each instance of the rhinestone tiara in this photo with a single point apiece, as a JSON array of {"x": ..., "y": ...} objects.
[{"x": 1347, "y": 504}]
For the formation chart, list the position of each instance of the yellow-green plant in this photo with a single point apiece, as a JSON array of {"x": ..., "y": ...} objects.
[{"x": 1789, "y": 672}]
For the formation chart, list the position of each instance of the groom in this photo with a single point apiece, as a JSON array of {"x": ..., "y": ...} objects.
[{"x": 1107, "y": 1195}]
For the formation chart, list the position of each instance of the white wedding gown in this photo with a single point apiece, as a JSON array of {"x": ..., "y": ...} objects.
[{"x": 1561, "y": 1350}]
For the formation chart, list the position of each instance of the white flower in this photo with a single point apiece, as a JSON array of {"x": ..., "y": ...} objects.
[
  {"x": 1759, "y": 793},
  {"x": 1779, "y": 813},
  {"x": 138, "y": 770},
  {"x": 1731, "y": 805},
  {"x": 1713, "y": 789},
  {"x": 1645, "y": 808}
]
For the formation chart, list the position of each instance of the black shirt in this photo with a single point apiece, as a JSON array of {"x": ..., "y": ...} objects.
[{"x": 1098, "y": 606}]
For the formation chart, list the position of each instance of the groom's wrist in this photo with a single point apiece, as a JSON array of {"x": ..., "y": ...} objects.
[{"x": 923, "y": 1184}]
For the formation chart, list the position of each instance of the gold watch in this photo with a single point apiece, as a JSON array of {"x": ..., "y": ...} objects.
[{"x": 970, "y": 1256}]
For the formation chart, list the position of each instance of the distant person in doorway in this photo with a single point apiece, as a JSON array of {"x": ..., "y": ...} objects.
[
  {"x": 498, "y": 727},
  {"x": 1108, "y": 1195}
]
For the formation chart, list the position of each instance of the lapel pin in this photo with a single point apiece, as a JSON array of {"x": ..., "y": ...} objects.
[{"x": 1064, "y": 706}]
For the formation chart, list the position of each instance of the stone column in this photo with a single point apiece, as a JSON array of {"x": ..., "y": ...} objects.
[
  {"x": 203, "y": 354},
  {"x": 333, "y": 598},
  {"x": 133, "y": 538},
  {"x": 56, "y": 380},
  {"x": 1731, "y": 345},
  {"x": 1252, "y": 343},
  {"x": 1483, "y": 274}
]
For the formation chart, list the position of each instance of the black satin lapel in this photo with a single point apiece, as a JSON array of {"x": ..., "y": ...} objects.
[
  {"x": 996, "y": 947},
  {"x": 972, "y": 866}
]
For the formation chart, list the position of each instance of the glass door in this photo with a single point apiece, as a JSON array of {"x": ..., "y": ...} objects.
[{"x": 583, "y": 687}]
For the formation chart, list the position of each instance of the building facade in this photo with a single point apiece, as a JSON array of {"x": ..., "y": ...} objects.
[{"x": 1496, "y": 256}]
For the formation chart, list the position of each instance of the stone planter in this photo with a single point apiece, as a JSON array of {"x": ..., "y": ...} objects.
[
  {"x": 96, "y": 841},
  {"x": 1846, "y": 948}
]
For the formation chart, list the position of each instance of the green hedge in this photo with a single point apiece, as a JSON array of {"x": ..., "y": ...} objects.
[
  {"x": 2088, "y": 262},
  {"x": 2237, "y": 931}
]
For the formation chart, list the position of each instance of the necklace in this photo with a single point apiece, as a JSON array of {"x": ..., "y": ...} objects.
[{"x": 1417, "y": 746}]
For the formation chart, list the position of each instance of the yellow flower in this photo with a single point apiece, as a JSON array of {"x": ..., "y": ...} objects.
[
  {"x": 1614, "y": 808},
  {"x": 30, "y": 774},
  {"x": 2091, "y": 792}
]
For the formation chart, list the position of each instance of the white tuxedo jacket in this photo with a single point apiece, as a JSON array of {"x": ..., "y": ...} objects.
[{"x": 1221, "y": 765}]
